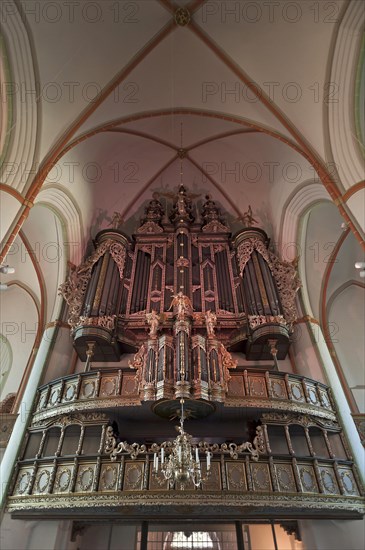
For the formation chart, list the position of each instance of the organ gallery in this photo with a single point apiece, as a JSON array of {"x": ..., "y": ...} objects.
[{"x": 175, "y": 307}]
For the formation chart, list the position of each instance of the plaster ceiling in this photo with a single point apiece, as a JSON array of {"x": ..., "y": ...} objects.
[{"x": 120, "y": 89}]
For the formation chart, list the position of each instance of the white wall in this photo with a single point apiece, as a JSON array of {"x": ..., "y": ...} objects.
[{"x": 332, "y": 535}]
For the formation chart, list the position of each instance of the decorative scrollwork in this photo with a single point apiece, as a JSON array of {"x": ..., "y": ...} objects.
[
  {"x": 255, "y": 448},
  {"x": 113, "y": 448},
  {"x": 258, "y": 320},
  {"x": 104, "y": 321},
  {"x": 132, "y": 450}
]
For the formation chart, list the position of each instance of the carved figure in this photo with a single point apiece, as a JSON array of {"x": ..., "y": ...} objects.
[
  {"x": 153, "y": 320},
  {"x": 210, "y": 322},
  {"x": 227, "y": 361},
  {"x": 182, "y": 305},
  {"x": 247, "y": 219},
  {"x": 117, "y": 220},
  {"x": 138, "y": 363}
]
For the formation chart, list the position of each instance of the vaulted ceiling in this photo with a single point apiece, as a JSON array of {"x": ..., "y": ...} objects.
[{"x": 110, "y": 101}]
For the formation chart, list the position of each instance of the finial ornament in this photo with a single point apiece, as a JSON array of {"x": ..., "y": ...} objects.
[
  {"x": 117, "y": 220},
  {"x": 247, "y": 218}
]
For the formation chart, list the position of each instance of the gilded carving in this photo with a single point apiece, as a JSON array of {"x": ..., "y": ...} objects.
[
  {"x": 181, "y": 305},
  {"x": 108, "y": 477},
  {"x": 259, "y": 320},
  {"x": 348, "y": 481},
  {"x": 307, "y": 479},
  {"x": 153, "y": 320},
  {"x": 138, "y": 363},
  {"x": 278, "y": 388},
  {"x": 236, "y": 476},
  {"x": 210, "y": 323},
  {"x": 22, "y": 483},
  {"x": 129, "y": 386},
  {"x": 85, "y": 478},
  {"x": 257, "y": 386},
  {"x": 312, "y": 394},
  {"x": 42, "y": 481},
  {"x": 73, "y": 417},
  {"x": 324, "y": 399},
  {"x": 88, "y": 389},
  {"x": 235, "y": 386},
  {"x": 54, "y": 397},
  {"x": 329, "y": 481},
  {"x": 215, "y": 227},
  {"x": 213, "y": 483},
  {"x": 63, "y": 479},
  {"x": 113, "y": 448},
  {"x": 261, "y": 477},
  {"x": 297, "y": 392},
  {"x": 104, "y": 321},
  {"x": 133, "y": 476},
  {"x": 150, "y": 227},
  {"x": 108, "y": 386},
  {"x": 255, "y": 448},
  {"x": 294, "y": 418},
  {"x": 285, "y": 477},
  {"x": 70, "y": 392},
  {"x": 219, "y": 503}
]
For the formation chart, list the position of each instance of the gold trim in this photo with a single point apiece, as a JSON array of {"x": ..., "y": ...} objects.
[
  {"x": 61, "y": 324},
  {"x": 309, "y": 319},
  {"x": 144, "y": 500}
]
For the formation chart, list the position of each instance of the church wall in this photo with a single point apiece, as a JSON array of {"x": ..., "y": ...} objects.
[{"x": 332, "y": 535}]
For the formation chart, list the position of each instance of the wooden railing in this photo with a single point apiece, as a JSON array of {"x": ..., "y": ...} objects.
[
  {"x": 298, "y": 485},
  {"x": 249, "y": 388}
]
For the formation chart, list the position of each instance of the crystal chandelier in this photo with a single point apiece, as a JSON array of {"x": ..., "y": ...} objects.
[{"x": 178, "y": 461}]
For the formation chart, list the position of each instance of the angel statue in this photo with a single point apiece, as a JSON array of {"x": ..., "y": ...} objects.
[
  {"x": 153, "y": 320},
  {"x": 247, "y": 218},
  {"x": 210, "y": 322},
  {"x": 182, "y": 304}
]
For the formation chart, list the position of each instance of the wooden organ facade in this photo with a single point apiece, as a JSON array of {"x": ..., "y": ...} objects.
[
  {"x": 180, "y": 298},
  {"x": 237, "y": 280}
]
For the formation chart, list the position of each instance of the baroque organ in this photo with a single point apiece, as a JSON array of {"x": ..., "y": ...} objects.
[
  {"x": 167, "y": 310},
  {"x": 181, "y": 295}
]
